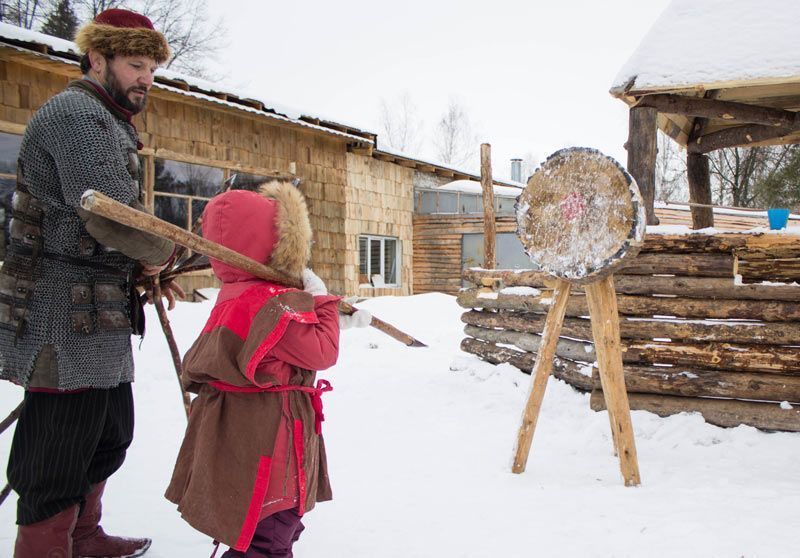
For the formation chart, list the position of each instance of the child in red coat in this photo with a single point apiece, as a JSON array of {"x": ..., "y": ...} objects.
[{"x": 253, "y": 458}]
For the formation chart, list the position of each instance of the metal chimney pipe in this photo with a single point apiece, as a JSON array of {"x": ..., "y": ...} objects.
[{"x": 516, "y": 170}]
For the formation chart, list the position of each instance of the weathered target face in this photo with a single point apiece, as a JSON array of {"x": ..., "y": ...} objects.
[{"x": 580, "y": 215}]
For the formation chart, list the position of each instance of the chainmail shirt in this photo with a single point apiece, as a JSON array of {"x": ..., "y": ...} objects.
[{"x": 72, "y": 144}]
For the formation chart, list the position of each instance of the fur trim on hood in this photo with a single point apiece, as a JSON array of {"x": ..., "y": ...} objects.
[
  {"x": 271, "y": 226},
  {"x": 125, "y": 36},
  {"x": 292, "y": 252}
]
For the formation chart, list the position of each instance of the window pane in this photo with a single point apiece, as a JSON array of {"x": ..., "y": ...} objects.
[
  {"x": 9, "y": 152},
  {"x": 197, "y": 209},
  {"x": 471, "y": 203},
  {"x": 173, "y": 210},
  {"x": 427, "y": 203},
  {"x": 374, "y": 257},
  {"x": 390, "y": 261},
  {"x": 246, "y": 181},
  {"x": 505, "y": 205},
  {"x": 187, "y": 178},
  {"x": 363, "y": 258},
  {"x": 448, "y": 202}
]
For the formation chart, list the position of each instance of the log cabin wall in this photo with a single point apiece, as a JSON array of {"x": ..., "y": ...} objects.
[
  {"x": 380, "y": 203},
  {"x": 437, "y": 248},
  {"x": 694, "y": 338}
]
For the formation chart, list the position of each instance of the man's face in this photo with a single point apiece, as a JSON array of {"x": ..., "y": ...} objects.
[{"x": 128, "y": 79}]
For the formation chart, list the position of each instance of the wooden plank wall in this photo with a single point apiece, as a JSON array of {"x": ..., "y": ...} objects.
[
  {"x": 380, "y": 201},
  {"x": 437, "y": 248}
]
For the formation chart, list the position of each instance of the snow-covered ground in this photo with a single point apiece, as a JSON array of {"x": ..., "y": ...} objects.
[{"x": 420, "y": 445}]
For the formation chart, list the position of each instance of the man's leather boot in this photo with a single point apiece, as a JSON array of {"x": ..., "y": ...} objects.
[
  {"x": 89, "y": 539},
  {"x": 51, "y": 538}
]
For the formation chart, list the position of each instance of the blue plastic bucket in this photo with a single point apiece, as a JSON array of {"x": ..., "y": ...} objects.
[{"x": 778, "y": 217}]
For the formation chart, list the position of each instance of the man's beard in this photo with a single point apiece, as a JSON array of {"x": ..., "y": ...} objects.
[{"x": 121, "y": 97}]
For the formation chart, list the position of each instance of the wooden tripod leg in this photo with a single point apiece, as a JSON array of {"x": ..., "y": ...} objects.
[
  {"x": 605, "y": 328},
  {"x": 540, "y": 374}
]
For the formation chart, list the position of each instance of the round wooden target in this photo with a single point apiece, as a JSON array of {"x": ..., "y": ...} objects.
[{"x": 580, "y": 215}]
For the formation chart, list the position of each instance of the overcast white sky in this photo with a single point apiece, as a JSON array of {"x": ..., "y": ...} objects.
[{"x": 533, "y": 76}]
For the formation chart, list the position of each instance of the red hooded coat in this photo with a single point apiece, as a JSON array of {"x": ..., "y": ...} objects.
[{"x": 258, "y": 413}]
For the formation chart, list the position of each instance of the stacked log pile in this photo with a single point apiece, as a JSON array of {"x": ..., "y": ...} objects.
[{"x": 695, "y": 338}]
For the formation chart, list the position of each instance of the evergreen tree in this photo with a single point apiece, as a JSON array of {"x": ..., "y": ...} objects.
[
  {"x": 781, "y": 188},
  {"x": 61, "y": 21}
]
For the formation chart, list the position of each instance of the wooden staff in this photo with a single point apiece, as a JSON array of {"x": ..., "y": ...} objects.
[
  {"x": 101, "y": 204},
  {"x": 173, "y": 346}
]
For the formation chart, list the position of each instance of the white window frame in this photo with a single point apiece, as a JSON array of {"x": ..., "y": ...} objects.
[{"x": 370, "y": 272}]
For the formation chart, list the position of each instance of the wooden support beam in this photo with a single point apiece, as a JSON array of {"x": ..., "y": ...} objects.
[
  {"x": 740, "y": 136},
  {"x": 605, "y": 330},
  {"x": 489, "y": 227},
  {"x": 539, "y": 376},
  {"x": 699, "y": 177},
  {"x": 603, "y": 311},
  {"x": 722, "y": 110},
  {"x": 642, "y": 151}
]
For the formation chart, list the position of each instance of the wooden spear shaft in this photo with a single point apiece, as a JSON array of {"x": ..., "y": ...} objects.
[{"x": 101, "y": 204}]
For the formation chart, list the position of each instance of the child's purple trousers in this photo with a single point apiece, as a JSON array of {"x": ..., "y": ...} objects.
[{"x": 274, "y": 537}]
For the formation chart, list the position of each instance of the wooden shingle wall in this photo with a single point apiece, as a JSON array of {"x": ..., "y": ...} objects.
[
  {"x": 380, "y": 201},
  {"x": 193, "y": 130},
  {"x": 25, "y": 89},
  {"x": 173, "y": 127}
]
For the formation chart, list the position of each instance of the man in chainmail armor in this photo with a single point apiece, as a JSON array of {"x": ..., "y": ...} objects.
[{"x": 67, "y": 301}]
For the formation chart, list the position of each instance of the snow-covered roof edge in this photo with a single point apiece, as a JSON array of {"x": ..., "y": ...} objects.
[
  {"x": 700, "y": 43},
  {"x": 66, "y": 51},
  {"x": 438, "y": 164}
]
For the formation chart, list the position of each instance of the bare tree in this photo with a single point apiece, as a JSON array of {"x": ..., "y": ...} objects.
[
  {"x": 193, "y": 38},
  {"x": 88, "y": 9},
  {"x": 530, "y": 163},
  {"x": 454, "y": 139},
  {"x": 191, "y": 35},
  {"x": 671, "y": 181},
  {"x": 22, "y": 13},
  {"x": 737, "y": 171},
  {"x": 401, "y": 126}
]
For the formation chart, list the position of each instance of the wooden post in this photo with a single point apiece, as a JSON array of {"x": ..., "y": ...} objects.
[
  {"x": 540, "y": 374},
  {"x": 489, "y": 227},
  {"x": 699, "y": 190},
  {"x": 642, "y": 150},
  {"x": 605, "y": 329}
]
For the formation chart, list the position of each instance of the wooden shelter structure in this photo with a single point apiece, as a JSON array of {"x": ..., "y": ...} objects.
[{"x": 711, "y": 75}]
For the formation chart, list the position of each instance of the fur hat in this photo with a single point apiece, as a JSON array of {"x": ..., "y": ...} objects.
[
  {"x": 123, "y": 32},
  {"x": 270, "y": 226}
]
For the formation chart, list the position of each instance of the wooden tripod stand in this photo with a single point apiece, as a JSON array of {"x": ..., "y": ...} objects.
[{"x": 579, "y": 217}]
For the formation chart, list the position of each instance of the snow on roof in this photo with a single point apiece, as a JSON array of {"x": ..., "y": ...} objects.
[
  {"x": 707, "y": 42},
  {"x": 473, "y": 187},
  {"x": 433, "y": 162},
  {"x": 290, "y": 113},
  {"x": 15, "y": 33}
]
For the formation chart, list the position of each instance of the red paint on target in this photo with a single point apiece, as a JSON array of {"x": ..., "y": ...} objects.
[{"x": 573, "y": 206}]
